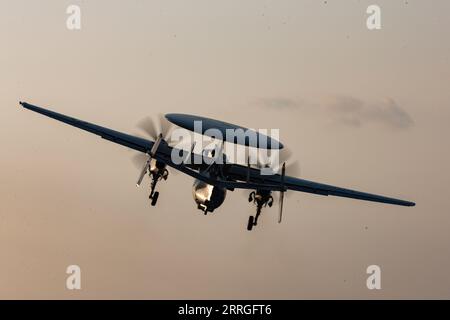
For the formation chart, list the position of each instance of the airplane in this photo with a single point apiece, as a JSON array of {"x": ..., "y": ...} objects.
[{"x": 212, "y": 180}]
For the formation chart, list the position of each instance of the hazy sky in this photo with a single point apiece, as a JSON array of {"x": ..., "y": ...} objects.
[{"x": 362, "y": 109}]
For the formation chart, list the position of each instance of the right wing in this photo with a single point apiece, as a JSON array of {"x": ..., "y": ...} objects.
[{"x": 124, "y": 139}]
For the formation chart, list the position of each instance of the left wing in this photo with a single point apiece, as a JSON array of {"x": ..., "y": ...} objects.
[{"x": 239, "y": 172}]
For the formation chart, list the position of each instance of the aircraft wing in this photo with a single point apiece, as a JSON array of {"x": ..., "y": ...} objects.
[
  {"x": 274, "y": 182},
  {"x": 124, "y": 139},
  {"x": 328, "y": 190}
]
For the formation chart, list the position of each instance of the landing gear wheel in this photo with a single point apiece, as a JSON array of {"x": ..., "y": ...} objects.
[
  {"x": 250, "y": 223},
  {"x": 155, "y": 198}
]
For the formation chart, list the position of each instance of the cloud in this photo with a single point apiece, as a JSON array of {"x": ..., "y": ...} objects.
[
  {"x": 347, "y": 110},
  {"x": 278, "y": 103},
  {"x": 355, "y": 112}
]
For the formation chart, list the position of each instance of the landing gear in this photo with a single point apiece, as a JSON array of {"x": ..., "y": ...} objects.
[
  {"x": 157, "y": 173},
  {"x": 250, "y": 223},
  {"x": 154, "y": 198},
  {"x": 261, "y": 198},
  {"x": 203, "y": 208}
]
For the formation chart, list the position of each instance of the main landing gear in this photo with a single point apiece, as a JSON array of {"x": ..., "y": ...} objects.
[
  {"x": 261, "y": 198},
  {"x": 156, "y": 175}
]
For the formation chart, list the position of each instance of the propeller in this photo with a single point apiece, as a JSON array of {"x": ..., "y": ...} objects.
[
  {"x": 162, "y": 126},
  {"x": 293, "y": 169},
  {"x": 281, "y": 202},
  {"x": 284, "y": 155},
  {"x": 149, "y": 156},
  {"x": 138, "y": 159},
  {"x": 158, "y": 132}
]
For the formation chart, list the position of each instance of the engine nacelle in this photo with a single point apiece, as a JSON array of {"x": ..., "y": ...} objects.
[
  {"x": 156, "y": 166},
  {"x": 208, "y": 197}
]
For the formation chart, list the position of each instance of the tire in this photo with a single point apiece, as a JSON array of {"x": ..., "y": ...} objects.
[
  {"x": 155, "y": 198},
  {"x": 250, "y": 223}
]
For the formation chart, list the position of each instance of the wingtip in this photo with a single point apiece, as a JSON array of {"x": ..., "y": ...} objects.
[{"x": 23, "y": 104}]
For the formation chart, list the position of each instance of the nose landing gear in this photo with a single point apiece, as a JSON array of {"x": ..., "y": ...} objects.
[
  {"x": 261, "y": 198},
  {"x": 204, "y": 208}
]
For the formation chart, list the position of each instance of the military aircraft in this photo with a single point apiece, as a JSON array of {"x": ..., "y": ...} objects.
[{"x": 213, "y": 178}]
